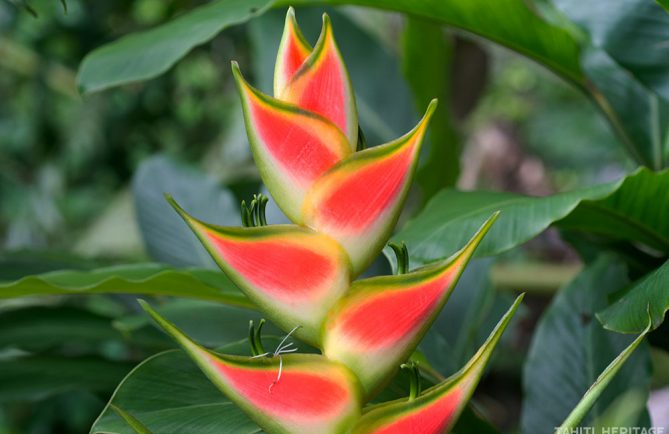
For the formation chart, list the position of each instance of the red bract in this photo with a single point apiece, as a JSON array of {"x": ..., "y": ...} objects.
[
  {"x": 293, "y": 273},
  {"x": 379, "y": 323},
  {"x": 344, "y": 204},
  {"x": 436, "y": 410},
  {"x": 311, "y": 395}
]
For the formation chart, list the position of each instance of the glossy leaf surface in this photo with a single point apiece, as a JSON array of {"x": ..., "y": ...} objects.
[
  {"x": 625, "y": 209},
  {"x": 570, "y": 348}
]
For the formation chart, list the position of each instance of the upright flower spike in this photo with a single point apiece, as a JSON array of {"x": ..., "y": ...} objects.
[
  {"x": 359, "y": 200},
  {"x": 291, "y": 146},
  {"x": 293, "y": 273},
  {"x": 435, "y": 410},
  {"x": 380, "y": 321},
  {"x": 293, "y": 51},
  {"x": 322, "y": 85},
  {"x": 308, "y": 393}
]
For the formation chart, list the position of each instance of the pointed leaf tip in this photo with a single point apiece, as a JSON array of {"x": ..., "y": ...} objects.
[
  {"x": 436, "y": 410},
  {"x": 381, "y": 320},
  {"x": 293, "y": 51},
  {"x": 291, "y": 147},
  {"x": 292, "y": 273},
  {"x": 322, "y": 85},
  {"x": 358, "y": 201}
]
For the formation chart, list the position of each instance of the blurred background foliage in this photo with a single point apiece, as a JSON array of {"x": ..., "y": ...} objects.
[
  {"x": 65, "y": 158},
  {"x": 82, "y": 177}
]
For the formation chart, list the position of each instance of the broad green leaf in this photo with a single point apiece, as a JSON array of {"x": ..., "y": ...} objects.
[
  {"x": 37, "y": 377},
  {"x": 626, "y": 209},
  {"x": 603, "y": 380},
  {"x": 632, "y": 32},
  {"x": 649, "y": 295},
  {"x": 146, "y": 54},
  {"x": 627, "y": 61},
  {"x": 511, "y": 23},
  {"x": 427, "y": 64},
  {"x": 570, "y": 348},
  {"x": 167, "y": 238},
  {"x": 636, "y": 211},
  {"x": 640, "y": 117},
  {"x": 151, "y": 279}
]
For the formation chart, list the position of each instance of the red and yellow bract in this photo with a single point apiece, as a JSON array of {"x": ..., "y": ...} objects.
[
  {"x": 321, "y": 85},
  {"x": 293, "y": 51},
  {"x": 293, "y": 273},
  {"x": 359, "y": 200},
  {"x": 435, "y": 410},
  {"x": 292, "y": 147},
  {"x": 344, "y": 204},
  {"x": 314, "y": 394},
  {"x": 379, "y": 323}
]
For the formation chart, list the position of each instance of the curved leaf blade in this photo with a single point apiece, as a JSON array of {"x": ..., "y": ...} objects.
[
  {"x": 150, "y": 279},
  {"x": 597, "y": 388},
  {"x": 649, "y": 296},
  {"x": 144, "y": 55},
  {"x": 625, "y": 209},
  {"x": 570, "y": 348}
]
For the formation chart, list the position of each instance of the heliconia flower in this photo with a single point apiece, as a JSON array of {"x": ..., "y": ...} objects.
[
  {"x": 292, "y": 273},
  {"x": 435, "y": 410},
  {"x": 380, "y": 321},
  {"x": 292, "y": 147},
  {"x": 358, "y": 201},
  {"x": 321, "y": 84},
  {"x": 292, "y": 393},
  {"x": 293, "y": 51}
]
